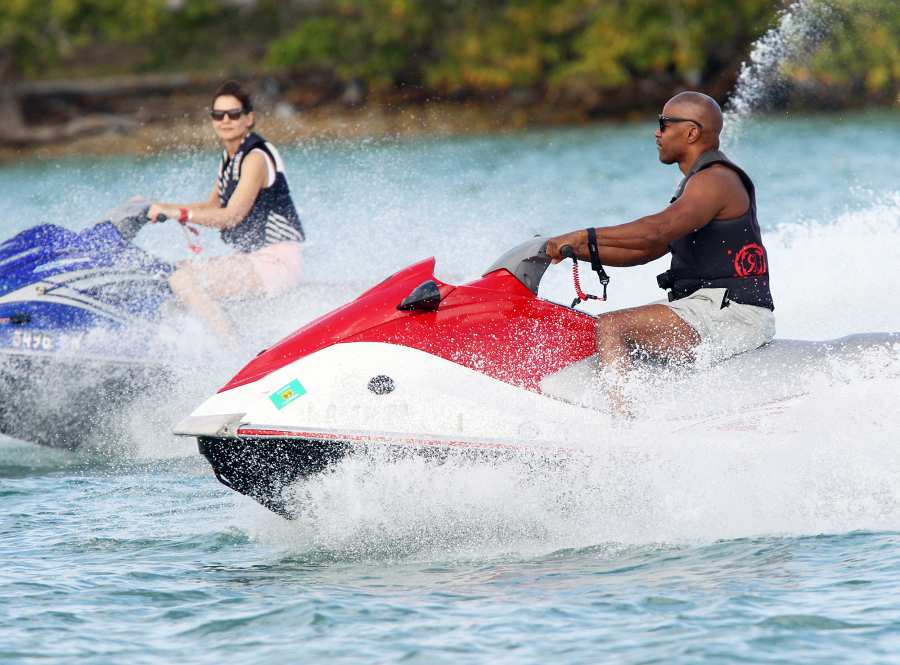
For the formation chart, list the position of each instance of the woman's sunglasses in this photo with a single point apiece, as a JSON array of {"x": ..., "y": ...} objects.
[
  {"x": 666, "y": 120},
  {"x": 233, "y": 114}
]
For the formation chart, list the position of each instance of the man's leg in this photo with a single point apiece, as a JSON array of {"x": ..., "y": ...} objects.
[
  {"x": 655, "y": 329},
  {"x": 203, "y": 285}
]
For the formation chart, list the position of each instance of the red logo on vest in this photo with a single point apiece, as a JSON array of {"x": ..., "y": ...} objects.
[{"x": 750, "y": 261}]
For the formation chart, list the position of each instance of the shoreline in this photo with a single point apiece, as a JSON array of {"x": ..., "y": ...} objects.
[{"x": 191, "y": 131}]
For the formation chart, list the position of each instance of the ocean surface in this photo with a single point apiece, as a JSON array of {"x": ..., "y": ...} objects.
[{"x": 781, "y": 544}]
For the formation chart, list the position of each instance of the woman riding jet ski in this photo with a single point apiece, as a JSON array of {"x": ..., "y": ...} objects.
[{"x": 416, "y": 364}]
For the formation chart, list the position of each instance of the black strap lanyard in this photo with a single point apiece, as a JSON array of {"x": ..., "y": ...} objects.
[
  {"x": 595, "y": 259},
  {"x": 580, "y": 295}
]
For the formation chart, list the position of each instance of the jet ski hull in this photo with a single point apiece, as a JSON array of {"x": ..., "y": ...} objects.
[
  {"x": 438, "y": 409},
  {"x": 67, "y": 402},
  {"x": 263, "y": 468},
  {"x": 259, "y": 440}
]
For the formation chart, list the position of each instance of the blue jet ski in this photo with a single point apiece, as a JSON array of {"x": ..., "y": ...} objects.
[{"x": 76, "y": 327}]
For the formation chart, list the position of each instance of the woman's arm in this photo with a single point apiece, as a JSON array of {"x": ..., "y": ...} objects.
[
  {"x": 254, "y": 176},
  {"x": 211, "y": 202}
]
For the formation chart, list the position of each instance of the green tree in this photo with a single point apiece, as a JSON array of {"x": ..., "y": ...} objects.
[
  {"x": 582, "y": 52},
  {"x": 34, "y": 35},
  {"x": 858, "y": 58}
]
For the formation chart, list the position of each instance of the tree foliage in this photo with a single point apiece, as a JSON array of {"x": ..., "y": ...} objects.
[
  {"x": 565, "y": 49},
  {"x": 452, "y": 46},
  {"x": 35, "y": 35},
  {"x": 859, "y": 54},
  {"x": 571, "y": 47}
]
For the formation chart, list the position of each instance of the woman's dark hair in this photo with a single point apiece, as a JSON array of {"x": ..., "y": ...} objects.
[{"x": 234, "y": 89}]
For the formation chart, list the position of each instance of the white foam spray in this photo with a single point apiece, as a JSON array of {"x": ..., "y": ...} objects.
[
  {"x": 761, "y": 80},
  {"x": 826, "y": 464}
]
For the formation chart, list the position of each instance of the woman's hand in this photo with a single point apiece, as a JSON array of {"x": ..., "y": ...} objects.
[{"x": 157, "y": 209}]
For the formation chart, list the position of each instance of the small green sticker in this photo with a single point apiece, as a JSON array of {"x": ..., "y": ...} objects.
[{"x": 287, "y": 394}]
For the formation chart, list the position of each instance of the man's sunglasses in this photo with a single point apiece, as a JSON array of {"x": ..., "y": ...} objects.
[
  {"x": 233, "y": 114},
  {"x": 666, "y": 120}
]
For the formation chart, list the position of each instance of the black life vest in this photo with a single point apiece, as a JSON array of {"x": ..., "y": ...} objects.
[
  {"x": 725, "y": 253},
  {"x": 273, "y": 217}
]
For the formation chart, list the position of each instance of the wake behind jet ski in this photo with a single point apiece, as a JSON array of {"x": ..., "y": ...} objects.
[
  {"x": 419, "y": 365},
  {"x": 75, "y": 333}
]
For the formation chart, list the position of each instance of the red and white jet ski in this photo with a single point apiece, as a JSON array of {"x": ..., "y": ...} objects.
[{"x": 414, "y": 364}]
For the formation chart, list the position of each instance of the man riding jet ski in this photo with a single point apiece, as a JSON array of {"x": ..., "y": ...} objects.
[
  {"x": 719, "y": 298},
  {"x": 74, "y": 339},
  {"x": 485, "y": 368}
]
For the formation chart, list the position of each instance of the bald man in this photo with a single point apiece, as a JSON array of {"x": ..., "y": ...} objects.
[{"x": 719, "y": 298}]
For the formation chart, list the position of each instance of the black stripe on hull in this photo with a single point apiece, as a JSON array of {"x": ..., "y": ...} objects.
[{"x": 263, "y": 468}]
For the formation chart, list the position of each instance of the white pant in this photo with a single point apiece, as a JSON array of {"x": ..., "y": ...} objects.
[{"x": 724, "y": 331}]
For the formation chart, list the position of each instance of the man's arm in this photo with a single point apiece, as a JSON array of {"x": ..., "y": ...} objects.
[{"x": 648, "y": 238}]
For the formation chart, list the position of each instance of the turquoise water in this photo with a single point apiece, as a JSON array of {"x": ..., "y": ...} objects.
[{"x": 775, "y": 546}]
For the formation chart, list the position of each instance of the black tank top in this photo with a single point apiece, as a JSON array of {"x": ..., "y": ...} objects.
[
  {"x": 725, "y": 253},
  {"x": 273, "y": 217}
]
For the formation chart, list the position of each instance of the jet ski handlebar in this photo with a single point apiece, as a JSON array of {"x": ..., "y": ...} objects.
[
  {"x": 529, "y": 261},
  {"x": 130, "y": 217}
]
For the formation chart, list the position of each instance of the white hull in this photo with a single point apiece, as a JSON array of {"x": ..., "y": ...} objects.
[{"x": 434, "y": 402}]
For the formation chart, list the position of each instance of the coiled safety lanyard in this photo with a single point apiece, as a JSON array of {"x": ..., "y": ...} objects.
[
  {"x": 597, "y": 267},
  {"x": 192, "y": 235}
]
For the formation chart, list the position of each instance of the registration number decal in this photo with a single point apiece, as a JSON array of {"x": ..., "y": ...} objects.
[{"x": 33, "y": 341}]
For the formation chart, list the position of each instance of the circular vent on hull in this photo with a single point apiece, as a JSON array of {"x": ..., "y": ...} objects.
[{"x": 381, "y": 384}]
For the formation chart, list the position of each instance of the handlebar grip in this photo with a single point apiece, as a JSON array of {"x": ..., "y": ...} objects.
[{"x": 567, "y": 252}]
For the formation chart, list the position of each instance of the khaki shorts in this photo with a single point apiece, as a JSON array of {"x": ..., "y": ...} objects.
[{"x": 724, "y": 331}]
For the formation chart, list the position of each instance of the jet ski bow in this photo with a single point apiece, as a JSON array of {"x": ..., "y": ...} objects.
[{"x": 411, "y": 364}]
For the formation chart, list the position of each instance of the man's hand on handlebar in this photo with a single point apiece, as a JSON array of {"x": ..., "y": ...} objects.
[{"x": 577, "y": 240}]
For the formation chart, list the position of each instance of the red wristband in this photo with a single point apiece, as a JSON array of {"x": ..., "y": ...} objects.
[{"x": 183, "y": 215}]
